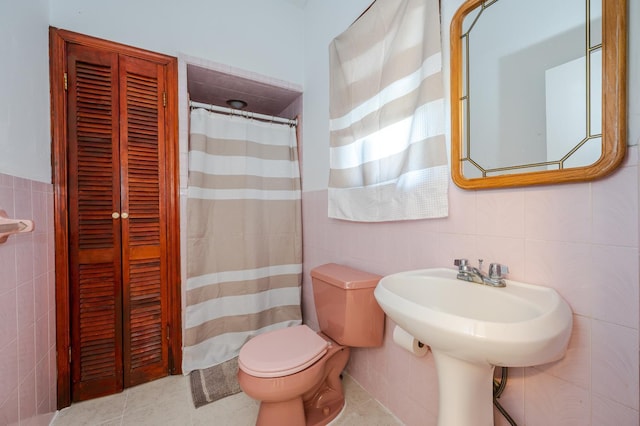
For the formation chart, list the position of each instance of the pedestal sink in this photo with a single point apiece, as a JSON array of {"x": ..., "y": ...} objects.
[{"x": 471, "y": 328}]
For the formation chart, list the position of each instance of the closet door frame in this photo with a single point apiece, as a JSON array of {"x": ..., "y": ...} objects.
[{"x": 58, "y": 41}]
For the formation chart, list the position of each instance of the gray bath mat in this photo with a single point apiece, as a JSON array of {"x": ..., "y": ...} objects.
[{"x": 214, "y": 383}]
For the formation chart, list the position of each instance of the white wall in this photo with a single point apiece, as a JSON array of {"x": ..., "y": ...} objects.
[
  {"x": 260, "y": 36},
  {"x": 324, "y": 19},
  {"x": 24, "y": 90}
]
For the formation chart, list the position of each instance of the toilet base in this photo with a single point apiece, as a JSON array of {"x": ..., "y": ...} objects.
[
  {"x": 295, "y": 412},
  {"x": 285, "y": 413},
  {"x": 292, "y": 413},
  {"x": 322, "y": 415},
  {"x": 316, "y": 407}
]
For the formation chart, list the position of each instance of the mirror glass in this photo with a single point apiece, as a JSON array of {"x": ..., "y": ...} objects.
[{"x": 527, "y": 92}]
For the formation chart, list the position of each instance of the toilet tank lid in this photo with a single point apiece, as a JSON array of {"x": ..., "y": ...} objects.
[{"x": 344, "y": 276}]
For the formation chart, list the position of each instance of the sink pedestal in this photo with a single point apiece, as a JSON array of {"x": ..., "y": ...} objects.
[
  {"x": 470, "y": 328},
  {"x": 466, "y": 391}
]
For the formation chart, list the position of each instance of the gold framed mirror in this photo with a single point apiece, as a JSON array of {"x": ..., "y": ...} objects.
[{"x": 538, "y": 91}]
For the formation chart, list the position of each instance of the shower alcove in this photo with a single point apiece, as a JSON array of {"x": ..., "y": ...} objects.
[{"x": 203, "y": 85}]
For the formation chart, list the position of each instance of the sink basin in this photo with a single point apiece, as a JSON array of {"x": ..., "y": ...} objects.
[
  {"x": 514, "y": 326},
  {"x": 471, "y": 328}
]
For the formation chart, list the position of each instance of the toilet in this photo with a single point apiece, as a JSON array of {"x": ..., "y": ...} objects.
[{"x": 295, "y": 372}]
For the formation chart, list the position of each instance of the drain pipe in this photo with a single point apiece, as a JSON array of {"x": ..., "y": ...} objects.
[{"x": 498, "y": 388}]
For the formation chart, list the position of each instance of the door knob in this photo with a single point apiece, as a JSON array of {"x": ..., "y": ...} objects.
[
  {"x": 124, "y": 215},
  {"x": 115, "y": 215}
]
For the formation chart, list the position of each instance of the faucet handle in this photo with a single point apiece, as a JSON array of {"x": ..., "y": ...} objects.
[
  {"x": 497, "y": 270},
  {"x": 462, "y": 264}
]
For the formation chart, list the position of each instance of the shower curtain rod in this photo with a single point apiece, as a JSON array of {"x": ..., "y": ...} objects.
[{"x": 246, "y": 114}]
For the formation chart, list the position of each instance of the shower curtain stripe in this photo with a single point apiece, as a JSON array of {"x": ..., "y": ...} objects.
[
  {"x": 240, "y": 166},
  {"x": 241, "y": 148},
  {"x": 212, "y": 291},
  {"x": 241, "y": 305},
  {"x": 241, "y": 194},
  {"x": 256, "y": 182},
  {"x": 241, "y": 320},
  {"x": 244, "y": 242},
  {"x": 231, "y": 277}
]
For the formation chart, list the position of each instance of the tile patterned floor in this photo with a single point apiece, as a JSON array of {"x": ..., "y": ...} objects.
[{"x": 168, "y": 402}]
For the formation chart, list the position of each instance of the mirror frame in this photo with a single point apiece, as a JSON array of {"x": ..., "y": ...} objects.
[{"x": 614, "y": 106}]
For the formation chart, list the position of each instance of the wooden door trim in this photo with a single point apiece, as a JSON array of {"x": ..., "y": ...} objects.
[
  {"x": 173, "y": 220},
  {"x": 58, "y": 40}
]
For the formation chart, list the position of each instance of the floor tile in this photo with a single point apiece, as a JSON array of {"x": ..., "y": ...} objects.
[
  {"x": 108, "y": 409},
  {"x": 168, "y": 402}
]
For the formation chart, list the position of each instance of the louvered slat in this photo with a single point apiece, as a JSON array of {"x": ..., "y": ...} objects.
[
  {"x": 94, "y": 246},
  {"x": 146, "y": 314},
  {"x": 143, "y": 161},
  {"x": 97, "y": 332},
  {"x": 145, "y": 317},
  {"x": 94, "y": 168}
]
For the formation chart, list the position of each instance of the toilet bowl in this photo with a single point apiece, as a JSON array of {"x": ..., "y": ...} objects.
[
  {"x": 305, "y": 391},
  {"x": 295, "y": 372}
]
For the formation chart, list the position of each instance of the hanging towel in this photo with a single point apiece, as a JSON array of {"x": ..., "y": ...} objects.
[{"x": 388, "y": 158}]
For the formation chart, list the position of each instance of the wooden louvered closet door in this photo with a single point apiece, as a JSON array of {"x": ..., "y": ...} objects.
[
  {"x": 117, "y": 246},
  {"x": 144, "y": 266}
]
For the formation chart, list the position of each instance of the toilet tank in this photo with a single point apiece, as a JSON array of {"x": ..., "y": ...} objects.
[{"x": 347, "y": 310}]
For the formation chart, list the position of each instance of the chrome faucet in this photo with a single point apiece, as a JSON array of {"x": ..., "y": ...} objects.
[{"x": 495, "y": 277}]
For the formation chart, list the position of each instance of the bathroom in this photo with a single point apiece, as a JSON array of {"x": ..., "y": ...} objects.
[{"x": 581, "y": 238}]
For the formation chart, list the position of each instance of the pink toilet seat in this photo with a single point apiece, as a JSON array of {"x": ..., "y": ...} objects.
[{"x": 282, "y": 352}]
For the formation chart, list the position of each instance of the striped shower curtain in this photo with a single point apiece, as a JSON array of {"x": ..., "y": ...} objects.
[{"x": 244, "y": 242}]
